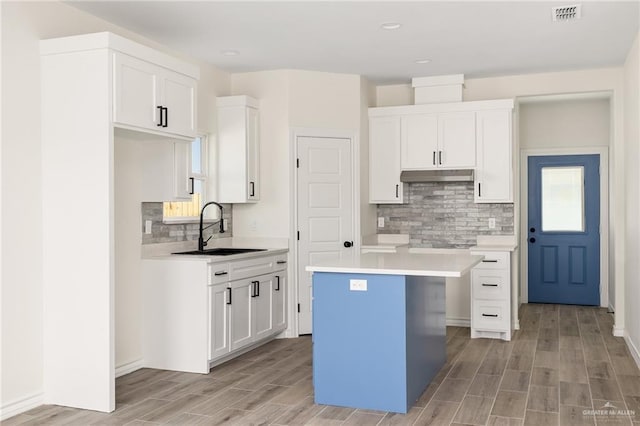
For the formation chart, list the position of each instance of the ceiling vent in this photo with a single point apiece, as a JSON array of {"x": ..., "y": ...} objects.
[{"x": 566, "y": 13}]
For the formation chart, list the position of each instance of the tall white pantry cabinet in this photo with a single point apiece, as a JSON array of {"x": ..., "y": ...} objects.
[{"x": 81, "y": 102}]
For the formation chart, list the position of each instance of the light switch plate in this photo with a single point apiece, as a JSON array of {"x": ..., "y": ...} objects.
[
  {"x": 147, "y": 227},
  {"x": 358, "y": 285}
]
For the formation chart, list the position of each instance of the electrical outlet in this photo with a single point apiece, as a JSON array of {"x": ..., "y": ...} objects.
[
  {"x": 147, "y": 227},
  {"x": 381, "y": 222},
  {"x": 253, "y": 225},
  {"x": 358, "y": 285},
  {"x": 492, "y": 223},
  {"x": 224, "y": 224}
]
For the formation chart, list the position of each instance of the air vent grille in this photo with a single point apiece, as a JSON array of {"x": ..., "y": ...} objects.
[{"x": 566, "y": 13}]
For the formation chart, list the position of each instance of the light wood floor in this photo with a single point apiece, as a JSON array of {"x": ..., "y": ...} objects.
[{"x": 561, "y": 364}]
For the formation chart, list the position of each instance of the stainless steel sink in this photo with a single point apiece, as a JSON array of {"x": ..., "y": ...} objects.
[{"x": 220, "y": 251}]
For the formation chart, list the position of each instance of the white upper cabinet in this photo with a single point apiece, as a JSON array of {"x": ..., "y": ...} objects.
[
  {"x": 457, "y": 140},
  {"x": 494, "y": 173},
  {"x": 152, "y": 97},
  {"x": 434, "y": 141},
  {"x": 458, "y": 135},
  {"x": 419, "y": 142},
  {"x": 384, "y": 160},
  {"x": 183, "y": 183},
  {"x": 238, "y": 150}
]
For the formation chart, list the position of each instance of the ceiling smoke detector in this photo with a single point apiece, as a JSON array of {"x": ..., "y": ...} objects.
[{"x": 566, "y": 13}]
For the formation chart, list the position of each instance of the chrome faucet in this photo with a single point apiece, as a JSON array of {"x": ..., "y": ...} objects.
[{"x": 201, "y": 241}]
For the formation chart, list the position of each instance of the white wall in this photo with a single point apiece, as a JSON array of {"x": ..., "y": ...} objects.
[
  {"x": 394, "y": 95},
  {"x": 569, "y": 123},
  {"x": 632, "y": 154},
  {"x": 23, "y": 25}
]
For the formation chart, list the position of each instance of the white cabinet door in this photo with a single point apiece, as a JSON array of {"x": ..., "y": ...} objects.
[
  {"x": 253, "y": 154},
  {"x": 457, "y": 140},
  {"x": 153, "y": 98},
  {"x": 280, "y": 301},
  {"x": 181, "y": 171},
  {"x": 384, "y": 161},
  {"x": 136, "y": 97},
  {"x": 178, "y": 94},
  {"x": 241, "y": 314},
  {"x": 238, "y": 150},
  {"x": 419, "y": 142},
  {"x": 262, "y": 306},
  {"x": 219, "y": 298},
  {"x": 493, "y": 181}
]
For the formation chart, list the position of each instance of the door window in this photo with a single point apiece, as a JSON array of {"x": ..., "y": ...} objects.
[{"x": 563, "y": 199}]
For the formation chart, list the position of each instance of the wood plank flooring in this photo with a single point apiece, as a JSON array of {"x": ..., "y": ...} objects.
[{"x": 560, "y": 366}]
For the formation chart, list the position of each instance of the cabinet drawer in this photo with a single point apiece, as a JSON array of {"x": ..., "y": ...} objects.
[
  {"x": 251, "y": 267},
  {"x": 492, "y": 260},
  {"x": 280, "y": 262},
  {"x": 490, "y": 284},
  {"x": 490, "y": 315},
  {"x": 218, "y": 273}
]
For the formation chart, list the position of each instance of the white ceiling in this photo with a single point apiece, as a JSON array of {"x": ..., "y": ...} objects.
[{"x": 475, "y": 38}]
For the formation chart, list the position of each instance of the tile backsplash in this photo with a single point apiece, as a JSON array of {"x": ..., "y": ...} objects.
[
  {"x": 443, "y": 215},
  {"x": 170, "y": 232}
]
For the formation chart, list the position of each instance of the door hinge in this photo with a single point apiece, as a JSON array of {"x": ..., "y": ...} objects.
[
  {"x": 298, "y": 308},
  {"x": 298, "y": 235},
  {"x": 297, "y": 163}
]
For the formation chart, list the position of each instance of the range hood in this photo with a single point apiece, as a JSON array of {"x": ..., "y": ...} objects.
[{"x": 437, "y": 175}]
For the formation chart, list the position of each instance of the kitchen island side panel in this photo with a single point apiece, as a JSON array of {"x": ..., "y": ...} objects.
[
  {"x": 426, "y": 332},
  {"x": 359, "y": 350}
]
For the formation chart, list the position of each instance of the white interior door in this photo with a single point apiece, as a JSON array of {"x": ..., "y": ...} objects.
[{"x": 325, "y": 211}]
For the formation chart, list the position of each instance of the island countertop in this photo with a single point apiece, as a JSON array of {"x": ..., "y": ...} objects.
[{"x": 433, "y": 265}]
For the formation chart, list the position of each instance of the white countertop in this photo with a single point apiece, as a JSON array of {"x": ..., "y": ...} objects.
[
  {"x": 433, "y": 265},
  {"x": 495, "y": 243},
  {"x": 165, "y": 251},
  {"x": 496, "y": 247},
  {"x": 385, "y": 241}
]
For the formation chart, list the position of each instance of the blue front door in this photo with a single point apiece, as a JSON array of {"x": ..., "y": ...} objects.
[{"x": 564, "y": 229}]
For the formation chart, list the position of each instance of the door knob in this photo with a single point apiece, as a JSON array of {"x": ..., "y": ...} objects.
[
  {"x": 348, "y": 244},
  {"x": 532, "y": 240}
]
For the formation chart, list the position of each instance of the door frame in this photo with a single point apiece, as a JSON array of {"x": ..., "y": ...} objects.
[
  {"x": 294, "y": 134},
  {"x": 604, "y": 214}
]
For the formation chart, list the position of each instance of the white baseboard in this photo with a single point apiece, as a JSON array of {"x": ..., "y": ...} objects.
[
  {"x": 18, "y": 406},
  {"x": 129, "y": 367},
  {"x": 459, "y": 322},
  {"x": 635, "y": 353},
  {"x": 618, "y": 332}
]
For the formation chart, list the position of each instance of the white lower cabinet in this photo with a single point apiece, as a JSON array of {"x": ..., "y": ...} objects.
[
  {"x": 242, "y": 313},
  {"x": 491, "y": 296},
  {"x": 255, "y": 305},
  {"x": 279, "y": 310},
  {"x": 219, "y": 298},
  {"x": 250, "y": 310},
  {"x": 197, "y": 313}
]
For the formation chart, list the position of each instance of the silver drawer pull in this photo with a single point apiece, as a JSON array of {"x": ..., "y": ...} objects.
[
  {"x": 280, "y": 262},
  {"x": 490, "y": 261},
  {"x": 490, "y": 315},
  {"x": 489, "y": 285},
  {"x": 220, "y": 273}
]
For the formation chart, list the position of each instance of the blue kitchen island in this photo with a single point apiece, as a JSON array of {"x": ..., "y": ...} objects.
[{"x": 379, "y": 331}]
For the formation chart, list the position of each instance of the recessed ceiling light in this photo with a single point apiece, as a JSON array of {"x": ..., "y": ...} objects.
[
  {"x": 230, "y": 52},
  {"x": 423, "y": 61},
  {"x": 390, "y": 25}
]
